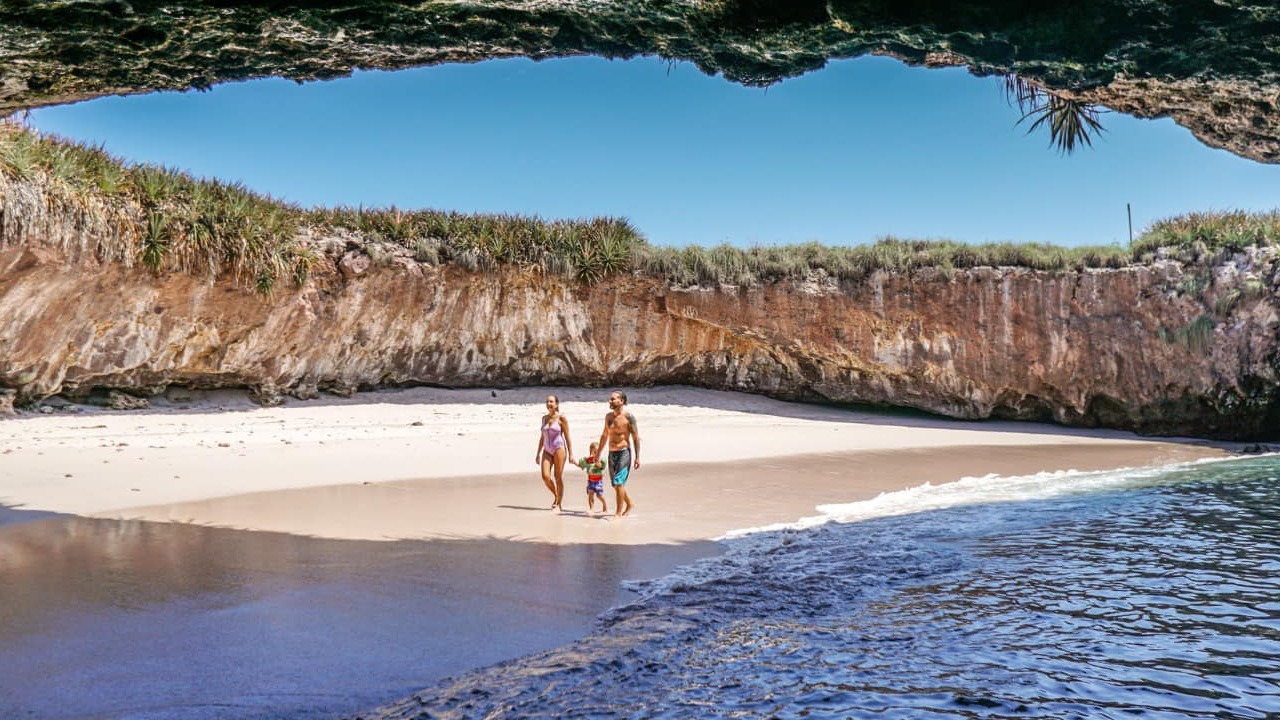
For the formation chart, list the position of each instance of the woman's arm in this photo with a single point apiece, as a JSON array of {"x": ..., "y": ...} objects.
[{"x": 568, "y": 442}]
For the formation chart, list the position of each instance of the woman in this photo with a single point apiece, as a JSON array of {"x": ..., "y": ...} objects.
[{"x": 554, "y": 448}]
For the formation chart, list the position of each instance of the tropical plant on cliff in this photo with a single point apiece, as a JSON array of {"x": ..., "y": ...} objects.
[
  {"x": 1204, "y": 242},
  {"x": 167, "y": 221},
  {"x": 1198, "y": 236},
  {"x": 586, "y": 249},
  {"x": 1071, "y": 123},
  {"x": 89, "y": 202},
  {"x": 726, "y": 264}
]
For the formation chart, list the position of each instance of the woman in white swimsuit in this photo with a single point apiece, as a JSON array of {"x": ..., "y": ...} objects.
[{"x": 554, "y": 449}]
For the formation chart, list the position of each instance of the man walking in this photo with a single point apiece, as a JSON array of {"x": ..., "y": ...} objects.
[{"x": 622, "y": 435}]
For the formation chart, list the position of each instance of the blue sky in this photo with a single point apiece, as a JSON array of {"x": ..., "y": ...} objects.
[{"x": 861, "y": 149}]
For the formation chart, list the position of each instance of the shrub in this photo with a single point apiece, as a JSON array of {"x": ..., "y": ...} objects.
[
  {"x": 1195, "y": 335},
  {"x": 1196, "y": 236},
  {"x": 726, "y": 264}
]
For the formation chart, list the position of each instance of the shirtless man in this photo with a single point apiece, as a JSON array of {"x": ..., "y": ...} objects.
[{"x": 622, "y": 435}]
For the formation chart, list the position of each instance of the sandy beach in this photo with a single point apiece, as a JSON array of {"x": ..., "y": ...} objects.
[
  {"x": 424, "y": 462},
  {"x": 411, "y": 525}
]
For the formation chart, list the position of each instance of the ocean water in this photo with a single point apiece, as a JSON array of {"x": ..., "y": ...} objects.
[{"x": 1129, "y": 594}]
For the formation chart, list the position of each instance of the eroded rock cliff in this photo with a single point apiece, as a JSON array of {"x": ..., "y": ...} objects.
[
  {"x": 1163, "y": 348},
  {"x": 1211, "y": 65}
]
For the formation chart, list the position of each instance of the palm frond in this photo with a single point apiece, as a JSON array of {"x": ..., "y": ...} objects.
[
  {"x": 1021, "y": 92},
  {"x": 1071, "y": 123}
]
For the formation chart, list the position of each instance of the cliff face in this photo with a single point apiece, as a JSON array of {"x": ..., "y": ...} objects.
[
  {"x": 1211, "y": 65},
  {"x": 1128, "y": 348}
]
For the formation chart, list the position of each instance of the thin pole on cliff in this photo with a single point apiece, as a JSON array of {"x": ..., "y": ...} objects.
[{"x": 1129, "y": 207}]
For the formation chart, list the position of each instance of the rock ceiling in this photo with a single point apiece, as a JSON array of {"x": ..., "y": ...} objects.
[{"x": 1211, "y": 65}]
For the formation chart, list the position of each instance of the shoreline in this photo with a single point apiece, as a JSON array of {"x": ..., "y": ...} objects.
[
  {"x": 174, "y": 463},
  {"x": 676, "y": 503}
]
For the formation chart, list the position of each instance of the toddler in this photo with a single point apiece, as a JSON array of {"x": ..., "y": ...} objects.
[{"x": 594, "y": 466}]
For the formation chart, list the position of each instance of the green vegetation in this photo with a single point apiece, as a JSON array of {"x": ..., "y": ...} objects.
[
  {"x": 167, "y": 221},
  {"x": 1071, "y": 123},
  {"x": 727, "y": 264},
  {"x": 1228, "y": 299},
  {"x": 161, "y": 218},
  {"x": 1205, "y": 237},
  {"x": 1195, "y": 335},
  {"x": 588, "y": 250}
]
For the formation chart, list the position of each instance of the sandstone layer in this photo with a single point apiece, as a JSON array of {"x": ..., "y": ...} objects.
[
  {"x": 1162, "y": 348},
  {"x": 1211, "y": 65}
]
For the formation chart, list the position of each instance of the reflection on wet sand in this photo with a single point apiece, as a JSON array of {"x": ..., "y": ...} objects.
[{"x": 107, "y": 618}]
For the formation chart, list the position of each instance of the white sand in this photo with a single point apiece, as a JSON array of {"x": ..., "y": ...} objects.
[{"x": 166, "y": 460}]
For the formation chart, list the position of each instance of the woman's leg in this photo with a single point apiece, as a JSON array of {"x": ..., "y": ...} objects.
[
  {"x": 547, "y": 462},
  {"x": 561, "y": 456}
]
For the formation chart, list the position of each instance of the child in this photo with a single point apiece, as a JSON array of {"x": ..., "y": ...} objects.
[{"x": 595, "y": 478}]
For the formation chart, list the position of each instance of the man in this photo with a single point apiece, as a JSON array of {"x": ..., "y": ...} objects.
[{"x": 622, "y": 435}]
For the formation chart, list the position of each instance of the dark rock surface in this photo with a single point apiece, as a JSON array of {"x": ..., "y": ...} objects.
[{"x": 1211, "y": 65}]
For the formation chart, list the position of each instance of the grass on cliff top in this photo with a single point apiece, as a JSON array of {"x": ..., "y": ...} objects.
[
  {"x": 736, "y": 266},
  {"x": 1202, "y": 236},
  {"x": 168, "y": 221},
  {"x": 588, "y": 249},
  {"x": 145, "y": 214}
]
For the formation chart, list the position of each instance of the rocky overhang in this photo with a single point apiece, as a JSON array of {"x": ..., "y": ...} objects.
[{"x": 1211, "y": 65}]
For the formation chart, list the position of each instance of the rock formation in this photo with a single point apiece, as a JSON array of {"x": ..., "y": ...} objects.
[
  {"x": 1211, "y": 65},
  {"x": 1167, "y": 347}
]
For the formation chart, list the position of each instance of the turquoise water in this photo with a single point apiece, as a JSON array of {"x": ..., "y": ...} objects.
[{"x": 1139, "y": 594}]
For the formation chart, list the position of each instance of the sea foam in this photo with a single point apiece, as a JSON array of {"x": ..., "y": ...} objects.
[{"x": 991, "y": 488}]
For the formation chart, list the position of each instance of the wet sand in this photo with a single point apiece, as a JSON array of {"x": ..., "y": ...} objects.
[
  {"x": 335, "y": 556},
  {"x": 140, "y": 620},
  {"x": 674, "y": 502}
]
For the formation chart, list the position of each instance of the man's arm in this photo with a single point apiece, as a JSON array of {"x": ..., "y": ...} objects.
[
  {"x": 602, "y": 448},
  {"x": 635, "y": 439}
]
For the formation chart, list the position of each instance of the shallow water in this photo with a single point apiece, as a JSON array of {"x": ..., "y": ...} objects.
[
  {"x": 125, "y": 619},
  {"x": 1064, "y": 595}
]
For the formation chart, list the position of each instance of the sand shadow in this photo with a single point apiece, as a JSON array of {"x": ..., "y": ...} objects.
[
  {"x": 681, "y": 396},
  {"x": 563, "y": 513},
  {"x": 16, "y": 515}
]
